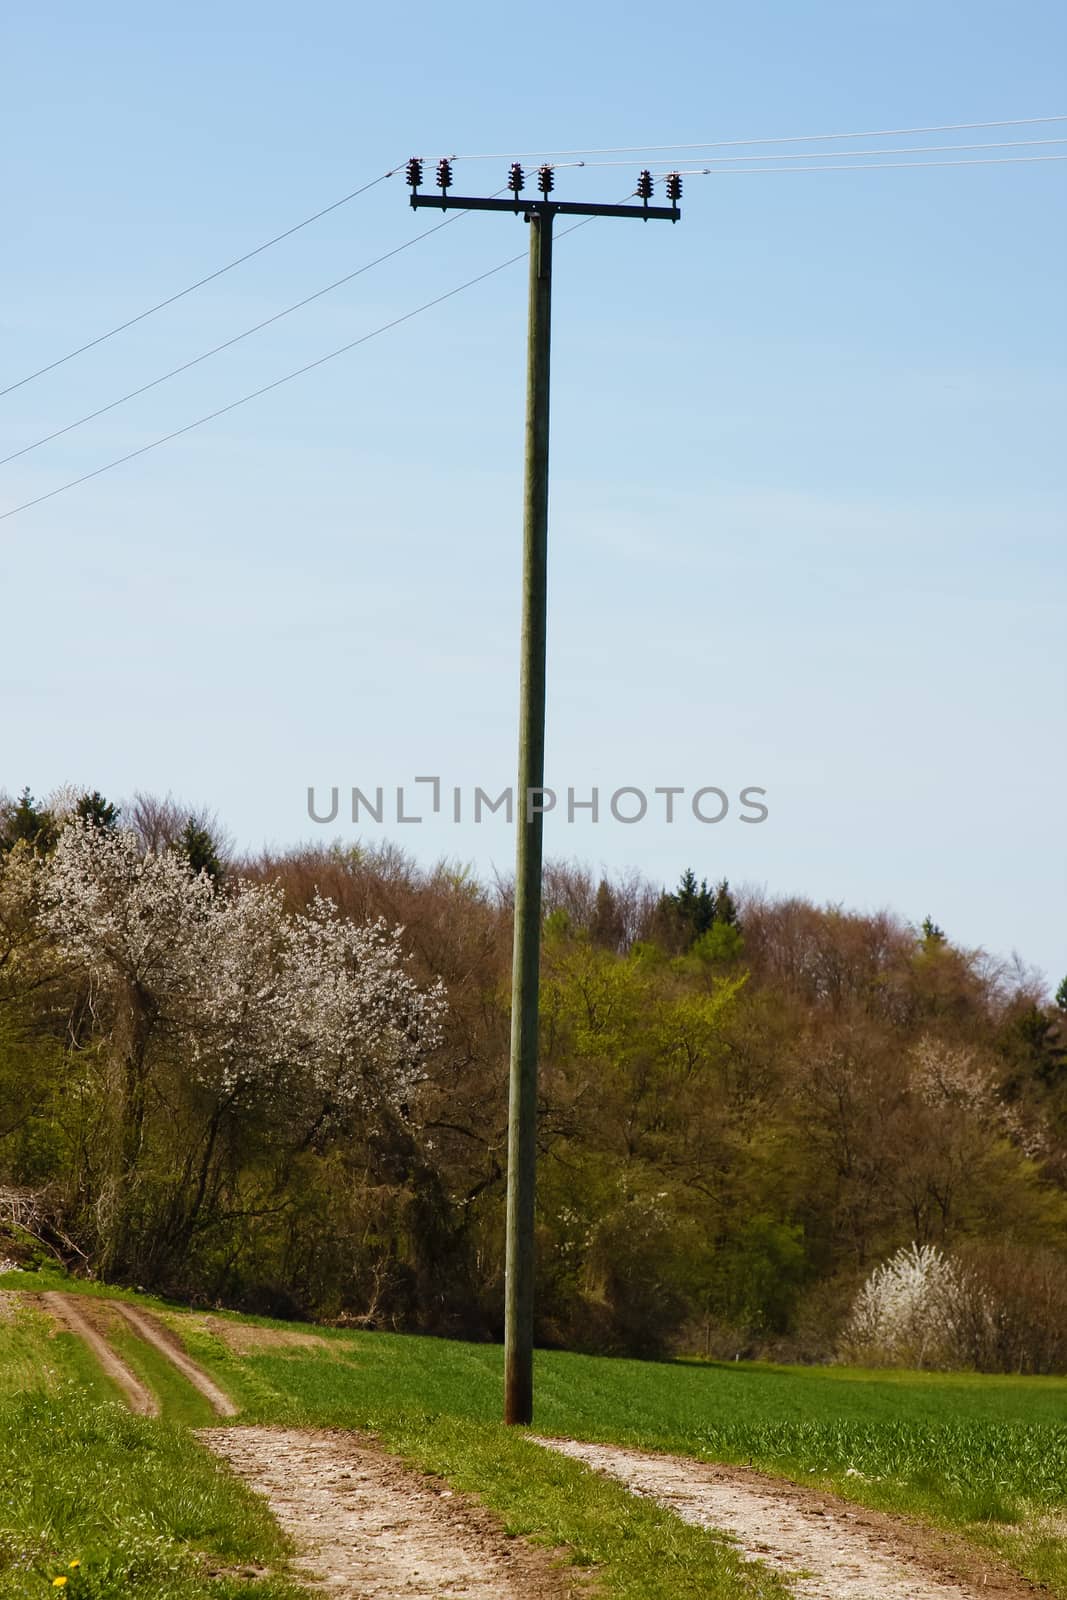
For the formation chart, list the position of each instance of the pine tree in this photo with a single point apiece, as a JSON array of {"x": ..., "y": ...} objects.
[
  {"x": 726, "y": 906},
  {"x": 30, "y": 824},
  {"x": 690, "y": 911},
  {"x": 606, "y": 926},
  {"x": 94, "y": 809},
  {"x": 202, "y": 851}
]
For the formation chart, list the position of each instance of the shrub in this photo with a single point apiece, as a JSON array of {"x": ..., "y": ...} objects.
[
  {"x": 1025, "y": 1290},
  {"x": 918, "y": 1309}
]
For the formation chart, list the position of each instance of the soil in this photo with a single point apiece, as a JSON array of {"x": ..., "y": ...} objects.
[
  {"x": 168, "y": 1343},
  {"x": 71, "y": 1311},
  {"x": 829, "y": 1548},
  {"x": 372, "y": 1529},
  {"x": 242, "y": 1338}
]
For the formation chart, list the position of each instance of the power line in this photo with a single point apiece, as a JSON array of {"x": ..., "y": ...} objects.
[
  {"x": 872, "y": 166},
  {"x": 227, "y": 343},
  {"x": 788, "y": 138},
  {"x": 199, "y": 284},
  {"x": 331, "y": 355},
  {"x": 831, "y": 155}
]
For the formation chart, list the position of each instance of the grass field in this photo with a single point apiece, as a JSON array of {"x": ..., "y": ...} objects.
[
  {"x": 35, "y": 1357},
  {"x": 985, "y": 1456},
  {"x": 137, "y": 1504}
]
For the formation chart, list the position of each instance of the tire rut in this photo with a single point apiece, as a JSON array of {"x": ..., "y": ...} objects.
[
  {"x": 66, "y": 1310},
  {"x": 371, "y": 1528},
  {"x": 828, "y": 1549},
  {"x": 167, "y": 1343}
]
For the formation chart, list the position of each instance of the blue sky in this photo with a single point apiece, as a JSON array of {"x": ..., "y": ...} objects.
[{"x": 808, "y": 483}]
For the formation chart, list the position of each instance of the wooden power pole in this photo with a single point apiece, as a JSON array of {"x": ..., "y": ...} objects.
[{"x": 526, "y": 959}]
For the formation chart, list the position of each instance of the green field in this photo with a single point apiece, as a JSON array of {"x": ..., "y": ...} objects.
[
  {"x": 136, "y": 1503},
  {"x": 985, "y": 1456}
]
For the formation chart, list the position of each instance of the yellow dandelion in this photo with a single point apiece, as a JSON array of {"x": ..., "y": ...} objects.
[
  {"x": 75, "y": 1564},
  {"x": 57, "y": 1583}
]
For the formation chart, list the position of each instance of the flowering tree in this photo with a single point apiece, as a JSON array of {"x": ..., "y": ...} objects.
[
  {"x": 309, "y": 1013},
  {"x": 917, "y": 1309},
  {"x": 353, "y": 1013}
]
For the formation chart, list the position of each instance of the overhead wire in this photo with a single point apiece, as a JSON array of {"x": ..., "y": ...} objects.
[
  {"x": 831, "y": 155},
  {"x": 210, "y": 277},
  {"x": 871, "y": 166},
  {"x": 859, "y": 161},
  {"x": 228, "y": 343},
  {"x": 787, "y": 138},
  {"x": 248, "y": 255},
  {"x": 277, "y": 383}
]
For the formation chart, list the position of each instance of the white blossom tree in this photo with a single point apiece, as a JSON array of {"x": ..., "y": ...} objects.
[
  {"x": 918, "y": 1309},
  {"x": 353, "y": 1013},
  {"x": 308, "y": 1012}
]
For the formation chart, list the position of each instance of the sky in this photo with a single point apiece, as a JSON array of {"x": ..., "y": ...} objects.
[{"x": 807, "y": 503}]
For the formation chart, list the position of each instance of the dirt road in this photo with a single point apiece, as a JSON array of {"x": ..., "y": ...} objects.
[
  {"x": 168, "y": 1344},
  {"x": 67, "y": 1310},
  {"x": 829, "y": 1548},
  {"x": 367, "y": 1526}
]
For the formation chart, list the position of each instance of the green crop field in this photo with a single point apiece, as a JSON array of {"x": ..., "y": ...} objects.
[{"x": 984, "y": 1456}]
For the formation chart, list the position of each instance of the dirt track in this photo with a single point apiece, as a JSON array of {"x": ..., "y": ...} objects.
[
  {"x": 368, "y": 1527},
  {"x": 831, "y": 1549},
  {"x": 167, "y": 1344},
  {"x": 67, "y": 1310}
]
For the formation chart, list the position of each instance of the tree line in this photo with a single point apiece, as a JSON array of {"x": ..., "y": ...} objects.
[{"x": 278, "y": 1082}]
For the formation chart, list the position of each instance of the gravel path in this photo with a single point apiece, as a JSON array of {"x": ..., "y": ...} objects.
[
  {"x": 371, "y": 1529},
  {"x": 830, "y": 1549}
]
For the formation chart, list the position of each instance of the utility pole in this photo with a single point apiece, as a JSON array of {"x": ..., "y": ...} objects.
[{"x": 526, "y": 957}]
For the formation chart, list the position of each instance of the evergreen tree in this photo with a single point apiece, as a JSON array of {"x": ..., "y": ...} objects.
[
  {"x": 607, "y": 929},
  {"x": 202, "y": 850},
  {"x": 689, "y": 912},
  {"x": 726, "y": 906},
  {"x": 932, "y": 934},
  {"x": 94, "y": 809},
  {"x": 1033, "y": 1039},
  {"x": 1061, "y": 995},
  {"x": 197, "y": 844},
  {"x": 28, "y": 823}
]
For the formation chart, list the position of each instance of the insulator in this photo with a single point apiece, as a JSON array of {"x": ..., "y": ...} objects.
[
  {"x": 546, "y": 180},
  {"x": 644, "y": 185},
  {"x": 674, "y": 187},
  {"x": 444, "y": 173},
  {"x": 516, "y": 178},
  {"x": 414, "y": 172}
]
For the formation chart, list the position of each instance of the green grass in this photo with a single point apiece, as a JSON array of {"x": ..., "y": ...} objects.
[
  {"x": 179, "y": 1401},
  {"x": 641, "y": 1551},
  {"x": 136, "y": 1501},
  {"x": 34, "y": 1355},
  {"x": 985, "y": 1456}
]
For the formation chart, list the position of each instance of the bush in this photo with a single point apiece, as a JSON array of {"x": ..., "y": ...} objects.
[
  {"x": 918, "y": 1309},
  {"x": 1026, "y": 1291},
  {"x": 997, "y": 1308}
]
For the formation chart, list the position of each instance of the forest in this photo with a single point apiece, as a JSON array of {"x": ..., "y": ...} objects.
[{"x": 278, "y": 1083}]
